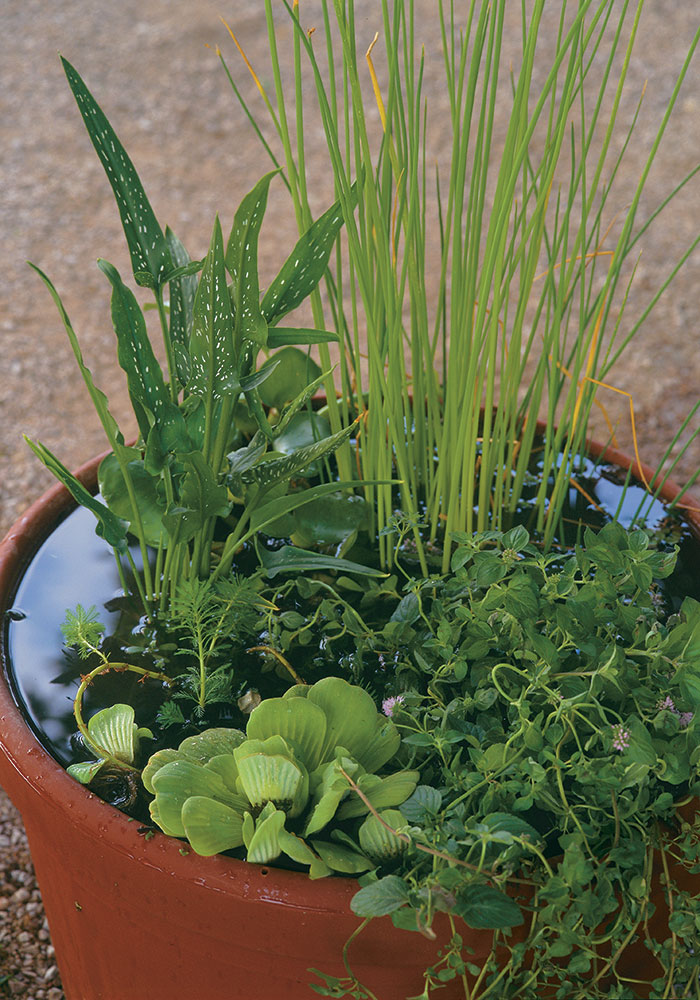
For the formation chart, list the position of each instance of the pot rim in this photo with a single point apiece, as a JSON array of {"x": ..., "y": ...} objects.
[{"x": 28, "y": 767}]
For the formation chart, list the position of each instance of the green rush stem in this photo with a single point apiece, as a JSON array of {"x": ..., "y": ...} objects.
[{"x": 166, "y": 341}]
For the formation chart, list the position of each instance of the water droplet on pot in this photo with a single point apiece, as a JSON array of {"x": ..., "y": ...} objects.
[{"x": 15, "y": 614}]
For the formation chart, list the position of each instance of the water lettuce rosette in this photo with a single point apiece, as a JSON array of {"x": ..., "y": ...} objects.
[{"x": 282, "y": 788}]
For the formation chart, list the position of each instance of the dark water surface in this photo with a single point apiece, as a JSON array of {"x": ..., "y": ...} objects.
[{"x": 74, "y": 566}]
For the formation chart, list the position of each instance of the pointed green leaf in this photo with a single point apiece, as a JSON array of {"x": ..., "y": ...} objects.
[
  {"x": 183, "y": 288},
  {"x": 134, "y": 351},
  {"x": 245, "y": 458},
  {"x": 381, "y": 897},
  {"x": 184, "y": 270},
  {"x": 213, "y": 361},
  {"x": 290, "y": 411},
  {"x": 150, "y": 257},
  {"x": 302, "y": 430},
  {"x": 485, "y": 908},
  {"x": 99, "y": 399},
  {"x": 280, "y": 469},
  {"x": 305, "y": 266},
  {"x": 289, "y": 559},
  {"x": 109, "y": 526},
  {"x": 252, "y": 381},
  {"x": 242, "y": 262},
  {"x": 286, "y": 336}
]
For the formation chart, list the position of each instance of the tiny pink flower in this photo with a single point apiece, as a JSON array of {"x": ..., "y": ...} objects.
[
  {"x": 666, "y": 705},
  {"x": 684, "y": 718},
  {"x": 621, "y": 737},
  {"x": 389, "y": 704}
]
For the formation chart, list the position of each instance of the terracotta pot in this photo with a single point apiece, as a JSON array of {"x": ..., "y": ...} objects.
[{"x": 132, "y": 918}]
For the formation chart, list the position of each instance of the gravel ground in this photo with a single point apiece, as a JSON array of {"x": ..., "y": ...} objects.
[{"x": 163, "y": 88}]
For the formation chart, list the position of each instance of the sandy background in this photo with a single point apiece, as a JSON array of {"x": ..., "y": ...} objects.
[{"x": 152, "y": 65}]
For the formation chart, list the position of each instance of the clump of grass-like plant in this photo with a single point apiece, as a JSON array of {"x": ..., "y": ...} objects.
[{"x": 524, "y": 320}]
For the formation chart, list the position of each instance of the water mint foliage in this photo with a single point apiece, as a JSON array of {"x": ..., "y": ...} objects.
[{"x": 550, "y": 703}]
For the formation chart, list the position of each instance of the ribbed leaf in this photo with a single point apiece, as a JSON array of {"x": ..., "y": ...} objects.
[
  {"x": 202, "y": 747},
  {"x": 351, "y": 715},
  {"x": 264, "y": 845},
  {"x": 304, "y": 267},
  {"x": 85, "y": 770},
  {"x": 157, "y": 760},
  {"x": 268, "y": 777},
  {"x": 296, "y": 849},
  {"x": 211, "y": 826},
  {"x": 380, "y": 843},
  {"x": 382, "y": 793},
  {"x": 331, "y": 787},
  {"x": 212, "y": 358},
  {"x": 175, "y": 783},
  {"x": 301, "y": 723},
  {"x": 242, "y": 262},
  {"x": 113, "y": 729},
  {"x": 340, "y": 859},
  {"x": 225, "y": 765},
  {"x": 109, "y": 526},
  {"x": 150, "y": 257}
]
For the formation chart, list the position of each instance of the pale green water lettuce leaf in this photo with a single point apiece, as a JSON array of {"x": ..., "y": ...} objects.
[{"x": 211, "y": 826}]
